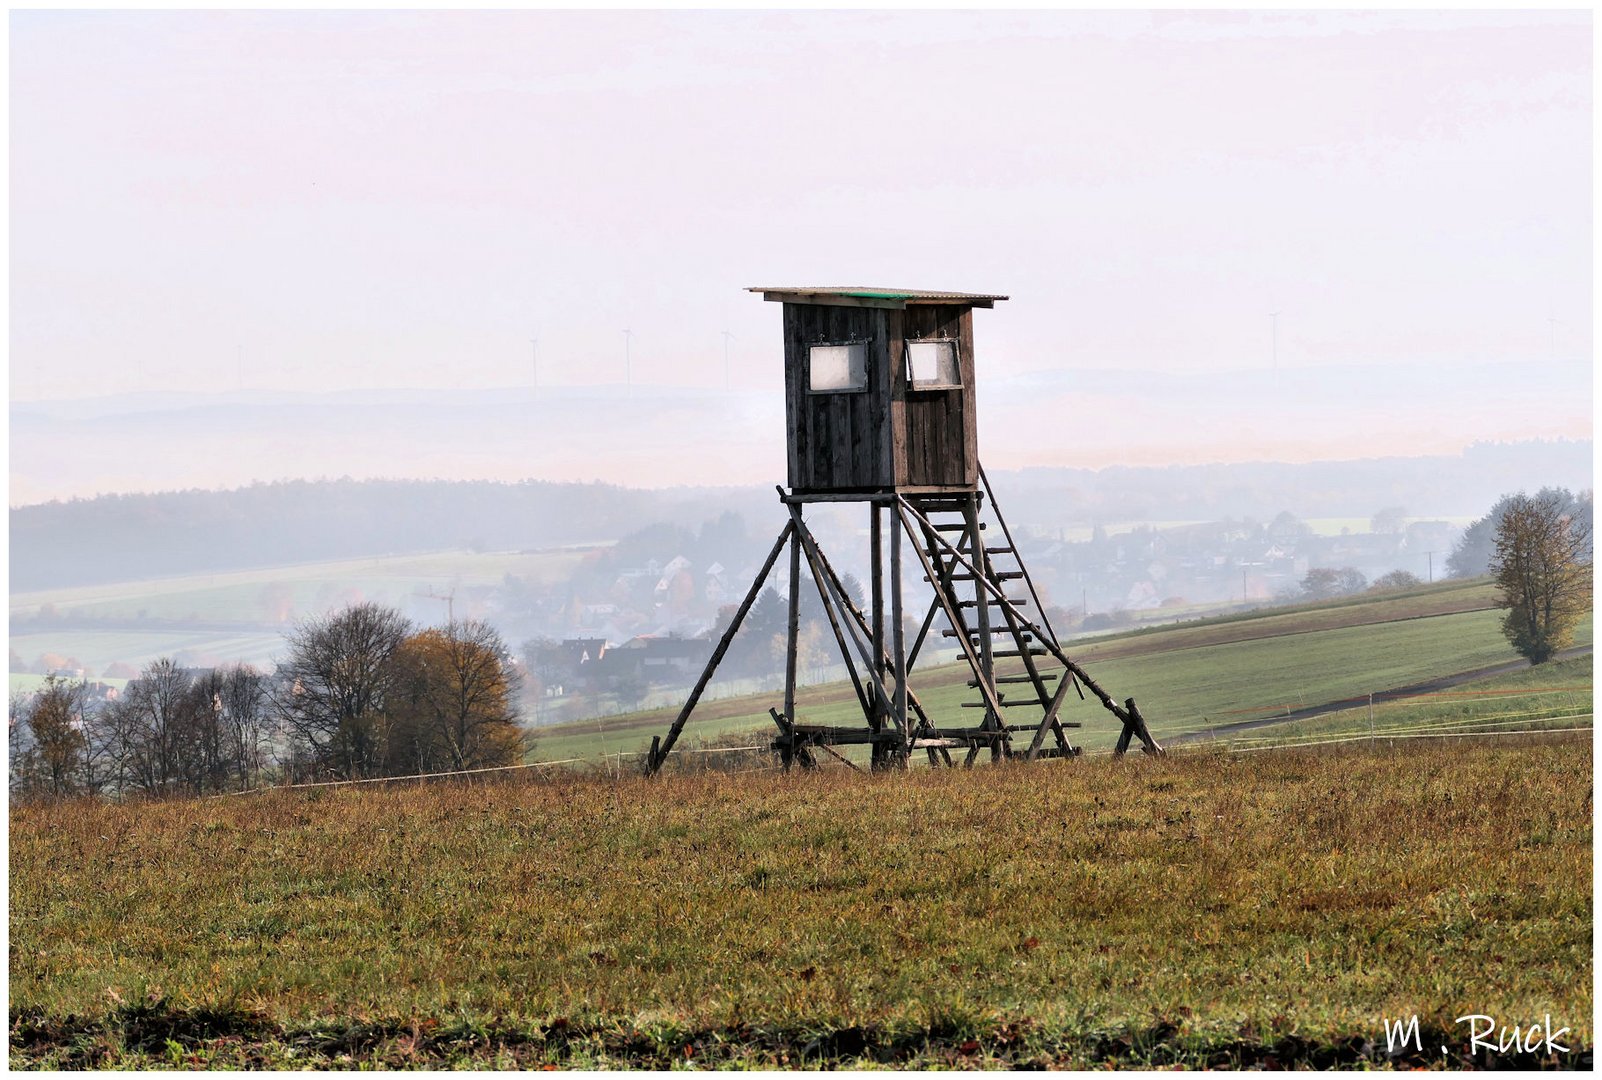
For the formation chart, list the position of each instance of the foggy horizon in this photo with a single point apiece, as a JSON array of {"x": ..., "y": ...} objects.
[{"x": 1237, "y": 236}]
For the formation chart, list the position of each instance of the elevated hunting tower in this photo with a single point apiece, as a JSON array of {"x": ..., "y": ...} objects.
[{"x": 880, "y": 409}]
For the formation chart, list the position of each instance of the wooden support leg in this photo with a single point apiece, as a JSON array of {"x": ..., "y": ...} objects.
[
  {"x": 789, "y": 746},
  {"x": 793, "y": 626},
  {"x": 899, "y": 643},
  {"x": 976, "y": 543},
  {"x": 1135, "y": 726},
  {"x": 876, "y": 599},
  {"x": 659, "y": 753}
]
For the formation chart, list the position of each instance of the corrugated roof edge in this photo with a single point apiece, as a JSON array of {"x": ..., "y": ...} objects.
[
  {"x": 872, "y": 292},
  {"x": 859, "y": 296}
]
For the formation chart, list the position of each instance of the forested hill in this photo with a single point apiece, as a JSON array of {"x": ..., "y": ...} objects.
[{"x": 123, "y": 537}]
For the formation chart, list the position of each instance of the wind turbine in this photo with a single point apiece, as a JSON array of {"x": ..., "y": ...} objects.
[{"x": 727, "y": 337}]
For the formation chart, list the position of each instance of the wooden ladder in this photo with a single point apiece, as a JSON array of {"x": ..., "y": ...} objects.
[{"x": 971, "y": 573}]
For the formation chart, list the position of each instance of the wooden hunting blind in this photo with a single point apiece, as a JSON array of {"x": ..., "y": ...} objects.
[
  {"x": 879, "y": 389},
  {"x": 880, "y": 409}
]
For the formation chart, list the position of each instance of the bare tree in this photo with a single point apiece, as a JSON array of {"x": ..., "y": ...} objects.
[
  {"x": 247, "y": 722},
  {"x": 1542, "y": 568},
  {"x": 333, "y": 688},
  {"x": 150, "y": 730}
]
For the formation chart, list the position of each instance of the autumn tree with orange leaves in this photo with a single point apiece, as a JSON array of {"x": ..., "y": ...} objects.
[{"x": 452, "y": 703}]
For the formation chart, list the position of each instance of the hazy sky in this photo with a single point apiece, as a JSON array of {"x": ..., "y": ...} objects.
[{"x": 329, "y": 201}]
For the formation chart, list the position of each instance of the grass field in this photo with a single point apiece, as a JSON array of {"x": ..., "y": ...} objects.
[
  {"x": 1186, "y": 678},
  {"x": 1205, "y": 908}
]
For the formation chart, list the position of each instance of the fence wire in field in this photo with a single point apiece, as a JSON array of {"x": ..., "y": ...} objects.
[{"x": 1495, "y": 725}]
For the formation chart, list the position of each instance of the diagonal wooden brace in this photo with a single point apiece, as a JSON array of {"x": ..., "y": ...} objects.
[{"x": 659, "y": 753}]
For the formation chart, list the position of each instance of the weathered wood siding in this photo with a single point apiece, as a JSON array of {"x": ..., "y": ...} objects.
[
  {"x": 935, "y": 441},
  {"x": 838, "y": 441}
]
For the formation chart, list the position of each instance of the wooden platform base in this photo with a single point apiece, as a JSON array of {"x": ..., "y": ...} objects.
[{"x": 968, "y": 577}]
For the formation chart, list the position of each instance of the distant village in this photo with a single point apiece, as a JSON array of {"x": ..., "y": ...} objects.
[{"x": 623, "y": 635}]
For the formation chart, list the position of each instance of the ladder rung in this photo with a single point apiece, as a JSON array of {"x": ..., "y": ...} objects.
[
  {"x": 995, "y": 632},
  {"x": 999, "y": 575},
  {"x": 1036, "y": 727},
  {"x": 1045, "y": 676},
  {"x": 1006, "y": 703},
  {"x": 1015, "y": 652},
  {"x": 1013, "y": 601},
  {"x": 1003, "y": 550},
  {"x": 954, "y": 526}
]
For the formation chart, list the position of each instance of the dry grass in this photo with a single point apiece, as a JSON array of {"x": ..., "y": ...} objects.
[{"x": 1206, "y": 898}]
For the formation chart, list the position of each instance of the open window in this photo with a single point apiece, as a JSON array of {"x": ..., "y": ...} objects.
[
  {"x": 838, "y": 369},
  {"x": 932, "y": 365}
]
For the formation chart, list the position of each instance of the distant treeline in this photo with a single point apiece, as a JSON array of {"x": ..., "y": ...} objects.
[{"x": 122, "y": 537}]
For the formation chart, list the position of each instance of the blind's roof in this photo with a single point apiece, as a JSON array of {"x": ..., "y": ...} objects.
[{"x": 869, "y": 296}]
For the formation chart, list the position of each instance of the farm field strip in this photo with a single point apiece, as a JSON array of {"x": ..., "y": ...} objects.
[
  {"x": 1561, "y": 687},
  {"x": 1501, "y": 723},
  {"x": 233, "y": 594},
  {"x": 98, "y": 649},
  {"x": 1391, "y": 738}
]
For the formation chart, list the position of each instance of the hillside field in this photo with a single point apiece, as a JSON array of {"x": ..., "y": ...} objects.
[
  {"x": 1201, "y": 909},
  {"x": 1553, "y": 695},
  {"x": 1187, "y": 678}
]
